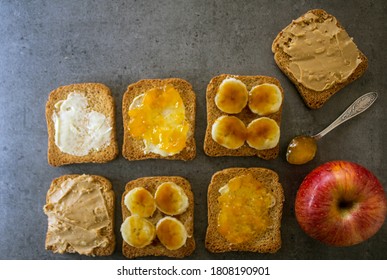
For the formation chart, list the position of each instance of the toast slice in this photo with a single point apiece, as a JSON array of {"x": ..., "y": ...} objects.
[
  {"x": 133, "y": 149},
  {"x": 212, "y": 148},
  {"x": 267, "y": 242},
  {"x": 99, "y": 99},
  {"x": 86, "y": 225},
  {"x": 314, "y": 99},
  {"x": 186, "y": 218}
]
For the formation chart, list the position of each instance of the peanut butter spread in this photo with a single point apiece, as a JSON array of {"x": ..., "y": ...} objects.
[
  {"x": 77, "y": 216},
  {"x": 321, "y": 53}
]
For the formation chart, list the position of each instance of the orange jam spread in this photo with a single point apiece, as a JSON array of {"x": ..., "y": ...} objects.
[
  {"x": 244, "y": 209},
  {"x": 301, "y": 150},
  {"x": 159, "y": 120}
]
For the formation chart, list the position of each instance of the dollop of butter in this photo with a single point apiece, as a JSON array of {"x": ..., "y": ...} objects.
[
  {"x": 79, "y": 130},
  {"x": 321, "y": 53}
]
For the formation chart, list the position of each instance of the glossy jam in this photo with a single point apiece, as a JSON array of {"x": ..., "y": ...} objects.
[
  {"x": 160, "y": 120},
  {"x": 301, "y": 150},
  {"x": 244, "y": 209}
]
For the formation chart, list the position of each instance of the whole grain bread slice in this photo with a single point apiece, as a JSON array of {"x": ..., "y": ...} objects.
[
  {"x": 186, "y": 218},
  {"x": 100, "y": 99},
  {"x": 267, "y": 242},
  {"x": 213, "y": 149},
  {"x": 315, "y": 99},
  {"x": 109, "y": 199},
  {"x": 133, "y": 149}
]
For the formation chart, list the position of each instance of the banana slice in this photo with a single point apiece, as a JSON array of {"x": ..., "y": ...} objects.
[
  {"x": 265, "y": 99},
  {"x": 231, "y": 96},
  {"x": 140, "y": 202},
  {"x": 171, "y": 233},
  {"x": 171, "y": 199},
  {"x": 229, "y": 132},
  {"x": 137, "y": 231},
  {"x": 263, "y": 133}
]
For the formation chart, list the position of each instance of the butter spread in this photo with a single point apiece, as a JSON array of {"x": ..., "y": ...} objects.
[
  {"x": 79, "y": 130},
  {"x": 77, "y": 216},
  {"x": 321, "y": 53}
]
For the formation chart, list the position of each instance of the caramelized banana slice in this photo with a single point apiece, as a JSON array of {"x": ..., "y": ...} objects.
[
  {"x": 137, "y": 231},
  {"x": 171, "y": 199},
  {"x": 265, "y": 99},
  {"x": 140, "y": 202},
  {"x": 263, "y": 133},
  {"x": 171, "y": 233},
  {"x": 229, "y": 132},
  {"x": 231, "y": 96}
]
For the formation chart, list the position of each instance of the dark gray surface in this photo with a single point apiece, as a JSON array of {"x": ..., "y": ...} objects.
[{"x": 45, "y": 44}]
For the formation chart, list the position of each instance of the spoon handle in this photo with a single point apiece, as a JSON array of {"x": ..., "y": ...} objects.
[{"x": 358, "y": 106}]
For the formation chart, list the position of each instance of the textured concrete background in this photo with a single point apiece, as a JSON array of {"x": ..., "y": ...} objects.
[{"x": 45, "y": 44}]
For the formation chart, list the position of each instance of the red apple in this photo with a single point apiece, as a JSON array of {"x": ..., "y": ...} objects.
[{"x": 341, "y": 203}]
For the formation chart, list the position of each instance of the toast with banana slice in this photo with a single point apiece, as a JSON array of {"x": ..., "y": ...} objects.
[
  {"x": 243, "y": 116},
  {"x": 158, "y": 215}
]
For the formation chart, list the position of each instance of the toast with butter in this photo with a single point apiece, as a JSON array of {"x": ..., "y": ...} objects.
[
  {"x": 319, "y": 57},
  {"x": 159, "y": 120},
  {"x": 163, "y": 223},
  {"x": 243, "y": 116},
  {"x": 81, "y": 124},
  {"x": 244, "y": 211},
  {"x": 80, "y": 211}
]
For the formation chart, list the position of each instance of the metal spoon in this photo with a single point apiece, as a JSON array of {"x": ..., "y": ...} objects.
[{"x": 303, "y": 148}]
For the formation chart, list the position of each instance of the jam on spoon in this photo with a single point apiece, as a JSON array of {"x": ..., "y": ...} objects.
[{"x": 302, "y": 149}]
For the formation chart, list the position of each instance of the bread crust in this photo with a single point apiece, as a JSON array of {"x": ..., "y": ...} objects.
[
  {"x": 315, "y": 99},
  {"x": 109, "y": 198},
  {"x": 100, "y": 99},
  {"x": 187, "y": 219},
  {"x": 213, "y": 149},
  {"x": 267, "y": 242},
  {"x": 133, "y": 149}
]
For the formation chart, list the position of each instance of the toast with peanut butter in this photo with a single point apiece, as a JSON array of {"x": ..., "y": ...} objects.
[
  {"x": 81, "y": 124},
  {"x": 244, "y": 211},
  {"x": 319, "y": 57},
  {"x": 243, "y": 116},
  {"x": 159, "y": 120},
  {"x": 163, "y": 223},
  {"x": 80, "y": 211}
]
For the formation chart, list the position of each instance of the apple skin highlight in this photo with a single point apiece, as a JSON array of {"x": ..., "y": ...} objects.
[{"x": 341, "y": 203}]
